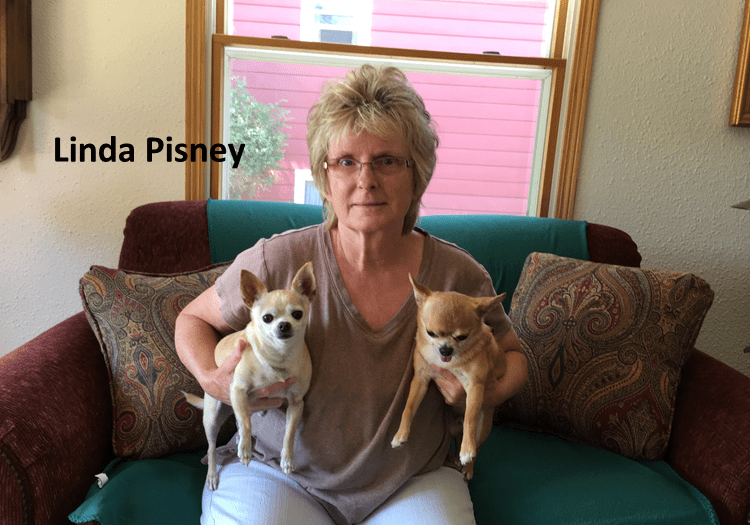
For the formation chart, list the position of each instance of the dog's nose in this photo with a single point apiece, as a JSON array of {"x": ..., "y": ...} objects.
[
  {"x": 445, "y": 350},
  {"x": 285, "y": 327}
]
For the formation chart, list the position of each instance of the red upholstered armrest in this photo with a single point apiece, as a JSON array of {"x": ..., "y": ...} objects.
[
  {"x": 55, "y": 429},
  {"x": 611, "y": 246},
  {"x": 710, "y": 444},
  {"x": 166, "y": 237}
]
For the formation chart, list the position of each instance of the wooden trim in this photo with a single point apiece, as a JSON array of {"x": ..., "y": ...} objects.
[
  {"x": 739, "y": 114},
  {"x": 217, "y": 103},
  {"x": 553, "y": 129},
  {"x": 295, "y": 45},
  {"x": 558, "y": 35},
  {"x": 195, "y": 95},
  {"x": 578, "y": 92},
  {"x": 221, "y": 17},
  {"x": 553, "y": 124}
]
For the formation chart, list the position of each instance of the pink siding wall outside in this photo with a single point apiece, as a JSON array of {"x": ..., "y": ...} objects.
[{"x": 486, "y": 125}]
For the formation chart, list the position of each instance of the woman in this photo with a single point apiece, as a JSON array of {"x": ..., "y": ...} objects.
[{"x": 372, "y": 150}]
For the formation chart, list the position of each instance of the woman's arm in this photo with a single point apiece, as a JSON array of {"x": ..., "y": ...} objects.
[{"x": 198, "y": 329}]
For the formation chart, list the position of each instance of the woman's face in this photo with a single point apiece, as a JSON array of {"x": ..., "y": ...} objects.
[{"x": 368, "y": 200}]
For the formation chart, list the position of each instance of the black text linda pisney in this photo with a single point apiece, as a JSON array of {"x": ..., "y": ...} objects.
[{"x": 155, "y": 148}]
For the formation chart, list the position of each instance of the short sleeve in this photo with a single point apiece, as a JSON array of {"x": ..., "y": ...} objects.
[
  {"x": 454, "y": 269},
  {"x": 233, "y": 308}
]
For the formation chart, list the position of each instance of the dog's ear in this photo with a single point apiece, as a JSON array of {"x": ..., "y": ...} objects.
[
  {"x": 251, "y": 287},
  {"x": 421, "y": 293},
  {"x": 486, "y": 304},
  {"x": 304, "y": 282}
]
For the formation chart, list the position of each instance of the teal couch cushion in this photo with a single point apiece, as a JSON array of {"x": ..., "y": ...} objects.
[
  {"x": 520, "y": 479},
  {"x": 532, "y": 478},
  {"x": 499, "y": 242},
  {"x": 147, "y": 492},
  {"x": 234, "y": 226}
]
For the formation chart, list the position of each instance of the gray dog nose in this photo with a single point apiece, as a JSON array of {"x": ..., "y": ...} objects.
[
  {"x": 284, "y": 327},
  {"x": 445, "y": 350}
]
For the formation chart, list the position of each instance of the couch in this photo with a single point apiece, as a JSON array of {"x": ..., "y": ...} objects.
[{"x": 56, "y": 399}]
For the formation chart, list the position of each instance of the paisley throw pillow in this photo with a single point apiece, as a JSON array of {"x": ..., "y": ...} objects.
[
  {"x": 605, "y": 346},
  {"x": 133, "y": 316}
]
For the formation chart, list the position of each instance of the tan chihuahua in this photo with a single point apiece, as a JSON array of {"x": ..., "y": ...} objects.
[
  {"x": 275, "y": 351},
  {"x": 451, "y": 334}
]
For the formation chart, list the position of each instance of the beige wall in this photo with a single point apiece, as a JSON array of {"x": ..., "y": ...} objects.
[
  {"x": 658, "y": 160},
  {"x": 99, "y": 69}
]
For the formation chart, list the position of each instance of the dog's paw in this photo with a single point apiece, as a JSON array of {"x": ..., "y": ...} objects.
[
  {"x": 468, "y": 471},
  {"x": 287, "y": 464},
  {"x": 399, "y": 439},
  {"x": 467, "y": 458},
  {"x": 212, "y": 481},
  {"x": 244, "y": 452}
]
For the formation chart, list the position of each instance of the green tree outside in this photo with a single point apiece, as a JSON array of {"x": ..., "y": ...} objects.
[{"x": 262, "y": 128}]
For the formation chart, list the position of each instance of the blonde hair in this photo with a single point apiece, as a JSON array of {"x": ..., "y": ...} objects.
[{"x": 382, "y": 102}]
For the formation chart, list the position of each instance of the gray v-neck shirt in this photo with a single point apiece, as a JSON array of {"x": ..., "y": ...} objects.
[{"x": 360, "y": 377}]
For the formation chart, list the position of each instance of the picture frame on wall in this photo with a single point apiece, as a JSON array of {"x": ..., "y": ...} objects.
[
  {"x": 740, "y": 109},
  {"x": 15, "y": 70}
]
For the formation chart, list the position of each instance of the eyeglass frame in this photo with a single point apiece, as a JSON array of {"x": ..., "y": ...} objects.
[{"x": 407, "y": 163}]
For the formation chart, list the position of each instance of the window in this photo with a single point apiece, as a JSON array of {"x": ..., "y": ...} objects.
[
  {"x": 335, "y": 21},
  {"x": 509, "y": 134}
]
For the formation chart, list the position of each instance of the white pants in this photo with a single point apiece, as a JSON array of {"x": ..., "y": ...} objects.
[{"x": 259, "y": 494}]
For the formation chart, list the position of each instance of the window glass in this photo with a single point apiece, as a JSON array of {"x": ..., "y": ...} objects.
[
  {"x": 490, "y": 121},
  {"x": 507, "y": 27},
  {"x": 499, "y": 125}
]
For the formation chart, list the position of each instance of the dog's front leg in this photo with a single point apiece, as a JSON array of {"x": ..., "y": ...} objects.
[
  {"x": 293, "y": 417},
  {"x": 474, "y": 399},
  {"x": 241, "y": 406},
  {"x": 417, "y": 390},
  {"x": 211, "y": 409}
]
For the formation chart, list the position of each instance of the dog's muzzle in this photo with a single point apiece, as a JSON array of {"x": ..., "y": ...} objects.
[
  {"x": 284, "y": 330},
  {"x": 446, "y": 353}
]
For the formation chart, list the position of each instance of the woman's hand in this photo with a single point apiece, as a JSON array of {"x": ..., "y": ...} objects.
[
  {"x": 260, "y": 399},
  {"x": 455, "y": 395}
]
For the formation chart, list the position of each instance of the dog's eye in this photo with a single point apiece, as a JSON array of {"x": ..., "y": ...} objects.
[
  {"x": 297, "y": 314},
  {"x": 461, "y": 337},
  {"x": 431, "y": 334},
  {"x": 267, "y": 318}
]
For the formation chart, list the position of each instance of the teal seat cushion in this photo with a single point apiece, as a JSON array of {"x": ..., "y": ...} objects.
[
  {"x": 147, "y": 492},
  {"x": 499, "y": 242},
  {"x": 521, "y": 478},
  {"x": 532, "y": 478}
]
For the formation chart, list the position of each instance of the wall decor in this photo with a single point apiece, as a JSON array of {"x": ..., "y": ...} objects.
[
  {"x": 740, "y": 111},
  {"x": 15, "y": 70}
]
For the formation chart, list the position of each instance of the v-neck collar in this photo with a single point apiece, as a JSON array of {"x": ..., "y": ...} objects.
[{"x": 403, "y": 315}]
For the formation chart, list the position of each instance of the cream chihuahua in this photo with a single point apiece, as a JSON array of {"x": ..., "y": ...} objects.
[
  {"x": 452, "y": 335},
  {"x": 275, "y": 351}
]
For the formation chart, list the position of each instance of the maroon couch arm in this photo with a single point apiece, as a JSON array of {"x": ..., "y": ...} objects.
[
  {"x": 166, "y": 237},
  {"x": 55, "y": 429},
  {"x": 611, "y": 246},
  {"x": 710, "y": 443}
]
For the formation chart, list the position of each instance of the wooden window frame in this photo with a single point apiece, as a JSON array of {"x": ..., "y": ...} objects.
[{"x": 568, "y": 153}]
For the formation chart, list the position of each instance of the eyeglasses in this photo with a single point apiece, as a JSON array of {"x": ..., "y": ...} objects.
[{"x": 383, "y": 165}]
